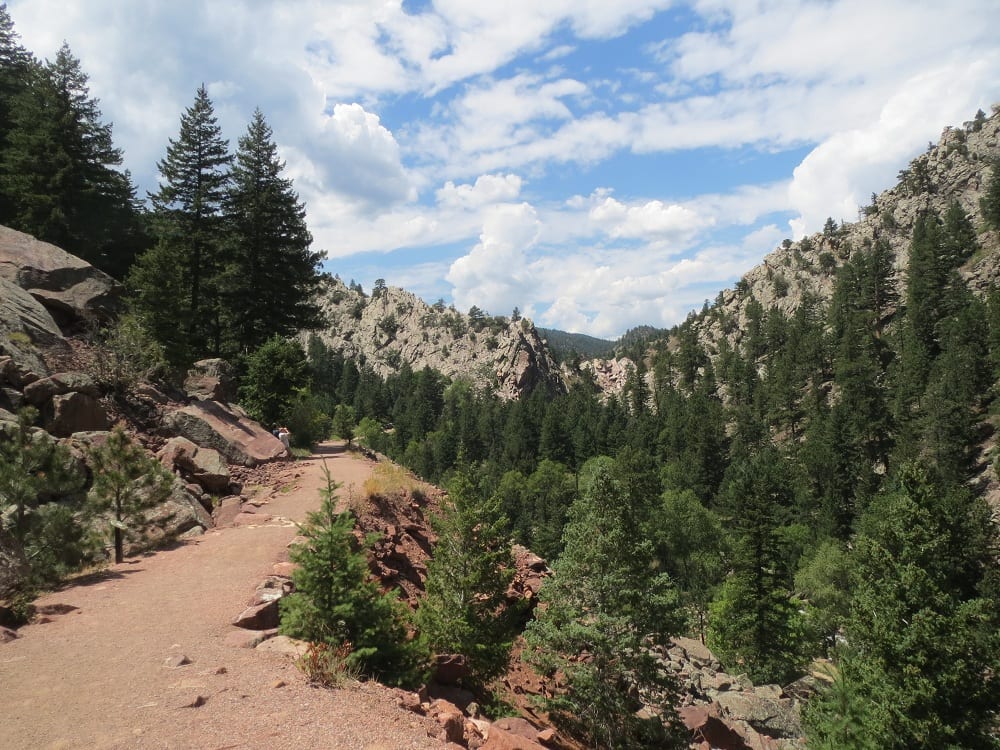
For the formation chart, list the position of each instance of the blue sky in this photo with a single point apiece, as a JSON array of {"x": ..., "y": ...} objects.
[{"x": 599, "y": 165}]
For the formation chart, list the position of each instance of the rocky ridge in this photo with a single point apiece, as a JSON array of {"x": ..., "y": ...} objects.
[
  {"x": 392, "y": 327},
  {"x": 957, "y": 168}
]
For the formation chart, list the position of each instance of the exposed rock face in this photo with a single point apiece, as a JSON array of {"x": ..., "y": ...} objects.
[
  {"x": 211, "y": 379},
  {"x": 25, "y": 326},
  {"x": 204, "y": 465},
  {"x": 44, "y": 389},
  {"x": 210, "y": 424},
  {"x": 71, "y": 289},
  {"x": 609, "y": 375},
  {"x": 727, "y": 711},
  {"x": 957, "y": 169},
  {"x": 393, "y": 327},
  {"x": 76, "y": 412}
]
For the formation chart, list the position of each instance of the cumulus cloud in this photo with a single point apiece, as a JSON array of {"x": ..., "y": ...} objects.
[
  {"x": 840, "y": 174},
  {"x": 409, "y": 127},
  {"x": 649, "y": 220},
  {"x": 488, "y": 188},
  {"x": 496, "y": 273}
]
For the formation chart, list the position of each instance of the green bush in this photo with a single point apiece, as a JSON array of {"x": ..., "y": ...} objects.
[{"x": 336, "y": 602}]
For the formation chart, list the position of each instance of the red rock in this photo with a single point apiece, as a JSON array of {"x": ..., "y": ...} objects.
[
  {"x": 450, "y": 668},
  {"x": 248, "y": 638},
  {"x": 453, "y": 724},
  {"x": 547, "y": 736},
  {"x": 259, "y": 617},
  {"x": 501, "y": 739},
  {"x": 284, "y": 569},
  {"x": 7, "y": 635},
  {"x": 707, "y": 726},
  {"x": 517, "y": 725}
]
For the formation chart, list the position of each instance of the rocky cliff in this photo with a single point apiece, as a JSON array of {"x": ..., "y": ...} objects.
[
  {"x": 392, "y": 327},
  {"x": 958, "y": 168}
]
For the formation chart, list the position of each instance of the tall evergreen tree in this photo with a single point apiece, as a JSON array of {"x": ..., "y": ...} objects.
[
  {"x": 464, "y": 610},
  {"x": 923, "y": 654},
  {"x": 59, "y": 172},
  {"x": 270, "y": 273},
  {"x": 188, "y": 222},
  {"x": 16, "y": 65},
  {"x": 604, "y": 598},
  {"x": 753, "y": 620}
]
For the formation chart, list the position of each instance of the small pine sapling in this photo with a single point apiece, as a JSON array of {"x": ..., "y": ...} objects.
[{"x": 127, "y": 480}]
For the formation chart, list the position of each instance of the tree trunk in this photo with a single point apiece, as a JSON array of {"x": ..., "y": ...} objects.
[{"x": 119, "y": 546}]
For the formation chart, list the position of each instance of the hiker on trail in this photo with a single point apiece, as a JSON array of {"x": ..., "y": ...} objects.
[{"x": 285, "y": 437}]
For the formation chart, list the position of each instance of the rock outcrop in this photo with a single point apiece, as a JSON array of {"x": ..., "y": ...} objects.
[
  {"x": 727, "y": 711},
  {"x": 204, "y": 466},
  {"x": 393, "y": 327},
  {"x": 958, "y": 169},
  {"x": 26, "y": 327},
  {"x": 226, "y": 429},
  {"x": 72, "y": 290}
]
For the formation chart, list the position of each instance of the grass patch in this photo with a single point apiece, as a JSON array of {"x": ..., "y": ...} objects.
[
  {"x": 328, "y": 666},
  {"x": 391, "y": 481}
]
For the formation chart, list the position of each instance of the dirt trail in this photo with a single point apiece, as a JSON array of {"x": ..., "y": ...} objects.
[{"x": 96, "y": 675}]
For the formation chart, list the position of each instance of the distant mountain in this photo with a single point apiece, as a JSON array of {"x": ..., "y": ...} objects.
[
  {"x": 566, "y": 346},
  {"x": 392, "y": 327}
]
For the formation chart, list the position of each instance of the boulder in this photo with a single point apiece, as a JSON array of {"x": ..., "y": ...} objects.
[
  {"x": 44, "y": 389},
  {"x": 180, "y": 513},
  {"x": 258, "y": 617},
  {"x": 25, "y": 325},
  {"x": 448, "y": 669},
  {"x": 241, "y": 440},
  {"x": 501, "y": 739},
  {"x": 204, "y": 465},
  {"x": 72, "y": 290},
  {"x": 211, "y": 379},
  {"x": 227, "y": 509},
  {"x": 710, "y": 730},
  {"x": 451, "y": 719},
  {"x": 767, "y": 715},
  {"x": 76, "y": 412}
]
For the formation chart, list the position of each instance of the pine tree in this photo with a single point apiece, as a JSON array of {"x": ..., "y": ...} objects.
[
  {"x": 606, "y": 601},
  {"x": 464, "y": 609},
  {"x": 59, "y": 172},
  {"x": 31, "y": 469},
  {"x": 923, "y": 654},
  {"x": 270, "y": 274},
  {"x": 16, "y": 66},
  {"x": 276, "y": 372},
  {"x": 990, "y": 203},
  {"x": 753, "y": 620},
  {"x": 188, "y": 222},
  {"x": 127, "y": 480},
  {"x": 336, "y": 602}
]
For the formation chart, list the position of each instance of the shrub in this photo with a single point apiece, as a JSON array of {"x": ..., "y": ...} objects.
[
  {"x": 336, "y": 601},
  {"x": 328, "y": 666}
]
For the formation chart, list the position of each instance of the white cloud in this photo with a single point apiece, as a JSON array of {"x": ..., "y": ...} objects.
[
  {"x": 496, "y": 273},
  {"x": 652, "y": 219},
  {"x": 840, "y": 174},
  {"x": 488, "y": 188},
  {"x": 406, "y": 130}
]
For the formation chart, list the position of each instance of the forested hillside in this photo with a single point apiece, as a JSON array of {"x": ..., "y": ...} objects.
[
  {"x": 797, "y": 473},
  {"x": 808, "y": 466}
]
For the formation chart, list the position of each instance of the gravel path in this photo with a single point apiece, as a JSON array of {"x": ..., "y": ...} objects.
[{"x": 96, "y": 674}]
